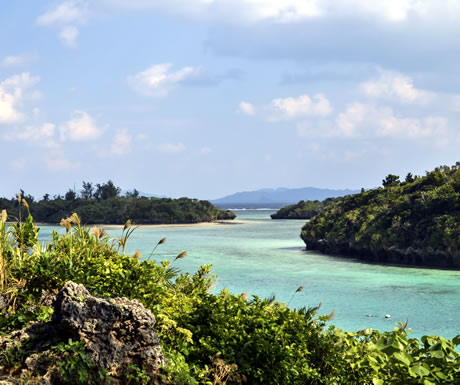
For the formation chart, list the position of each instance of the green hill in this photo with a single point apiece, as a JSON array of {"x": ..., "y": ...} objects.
[
  {"x": 303, "y": 209},
  {"x": 415, "y": 222}
]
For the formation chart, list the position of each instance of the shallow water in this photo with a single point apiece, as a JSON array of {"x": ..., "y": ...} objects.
[{"x": 265, "y": 257}]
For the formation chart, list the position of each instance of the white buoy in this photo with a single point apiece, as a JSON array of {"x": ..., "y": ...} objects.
[{"x": 388, "y": 316}]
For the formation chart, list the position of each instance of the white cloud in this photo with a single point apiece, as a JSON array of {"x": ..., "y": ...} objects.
[
  {"x": 80, "y": 127},
  {"x": 122, "y": 143},
  {"x": 349, "y": 121},
  {"x": 15, "y": 61},
  {"x": 158, "y": 80},
  {"x": 303, "y": 106},
  {"x": 292, "y": 11},
  {"x": 69, "y": 36},
  {"x": 172, "y": 148},
  {"x": 290, "y": 108},
  {"x": 365, "y": 120},
  {"x": 36, "y": 133},
  {"x": 247, "y": 108},
  {"x": 64, "y": 16},
  {"x": 12, "y": 95},
  {"x": 395, "y": 86},
  {"x": 65, "y": 13}
]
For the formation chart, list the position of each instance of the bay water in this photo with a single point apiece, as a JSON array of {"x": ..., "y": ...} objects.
[{"x": 267, "y": 258}]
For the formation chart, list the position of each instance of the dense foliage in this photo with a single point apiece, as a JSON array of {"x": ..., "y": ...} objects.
[
  {"x": 412, "y": 222},
  {"x": 208, "y": 338},
  {"x": 103, "y": 204},
  {"x": 303, "y": 209}
]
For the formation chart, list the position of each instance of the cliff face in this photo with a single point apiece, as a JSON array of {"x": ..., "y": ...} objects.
[{"x": 415, "y": 223}]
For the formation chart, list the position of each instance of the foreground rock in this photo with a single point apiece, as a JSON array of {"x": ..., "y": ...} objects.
[{"x": 117, "y": 334}]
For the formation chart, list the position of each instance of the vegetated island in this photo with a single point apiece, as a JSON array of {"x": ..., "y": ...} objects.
[
  {"x": 103, "y": 204},
  {"x": 81, "y": 311},
  {"x": 303, "y": 209},
  {"x": 415, "y": 222}
]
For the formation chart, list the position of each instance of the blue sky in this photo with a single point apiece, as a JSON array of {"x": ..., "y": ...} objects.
[{"x": 204, "y": 98}]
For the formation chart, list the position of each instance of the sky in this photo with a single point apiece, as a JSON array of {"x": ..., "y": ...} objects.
[{"x": 204, "y": 98}]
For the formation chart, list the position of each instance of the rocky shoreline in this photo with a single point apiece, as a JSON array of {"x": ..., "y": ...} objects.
[{"x": 393, "y": 255}]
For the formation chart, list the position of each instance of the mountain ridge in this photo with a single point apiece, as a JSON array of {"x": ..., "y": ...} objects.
[{"x": 280, "y": 196}]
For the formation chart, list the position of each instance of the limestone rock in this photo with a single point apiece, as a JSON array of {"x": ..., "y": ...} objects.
[{"x": 116, "y": 332}]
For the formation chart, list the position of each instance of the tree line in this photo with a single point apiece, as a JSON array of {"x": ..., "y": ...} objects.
[{"x": 104, "y": 204}]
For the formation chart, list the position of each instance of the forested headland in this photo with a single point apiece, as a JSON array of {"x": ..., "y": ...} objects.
[
  {"x": 415, "y": 221},
  {"x": 303, "y": 209},
  {"x": 104, "y": 204}
]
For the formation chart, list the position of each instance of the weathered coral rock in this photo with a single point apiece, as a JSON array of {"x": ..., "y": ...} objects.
[{"x": 117, "y": 333}]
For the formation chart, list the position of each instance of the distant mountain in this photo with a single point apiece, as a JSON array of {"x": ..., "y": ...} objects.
[{"x": 276, "y": 198}]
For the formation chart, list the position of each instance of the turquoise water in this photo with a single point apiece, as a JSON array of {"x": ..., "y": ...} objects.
[{"x": 265, "y": 258}]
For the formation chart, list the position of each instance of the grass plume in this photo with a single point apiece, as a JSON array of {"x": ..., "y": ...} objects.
[{"x": 299, "y": 289}]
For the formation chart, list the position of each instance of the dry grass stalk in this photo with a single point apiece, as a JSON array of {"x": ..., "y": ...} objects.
[
  {"x": 67, "y": 223},
  {"x": 3, "y": 271},
  {"x": 181, "y": 255},
  {"x": 224, "y": 373},
  {"x": 299, "y": 289},
  {"x": 98, "y": 233},
  {"x": 74, "y": 218},
  {"x": 160, "y": 242},
  {"x": 127, "y": 225},
  {"x": 4, "y": 216},
  {"x": 137, "y": 255}
]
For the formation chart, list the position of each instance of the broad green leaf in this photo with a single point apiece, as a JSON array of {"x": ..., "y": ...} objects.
[
  {"x": 419, "y": 370},
  {"x": 403, "y": 358}
]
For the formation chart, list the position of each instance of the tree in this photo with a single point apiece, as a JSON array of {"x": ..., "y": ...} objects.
[
  {"x": 70, "y": 195},
  {"x": 46, "y": 197},
  {"x": 132, "y": 194},
  {"x": 391, "y": 180},
  {"x": 106, "y": 191},
  {"x": 409, "y": 178},
  {"x": 87, "y": 191}
]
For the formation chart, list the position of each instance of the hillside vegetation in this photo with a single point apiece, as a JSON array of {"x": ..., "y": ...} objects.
[
  {"x": 207, "y": 338},
  {"x": 414, "y": 222},
  {"x": 303, "y": 209},
  {"x": 103, "y": 204}
]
